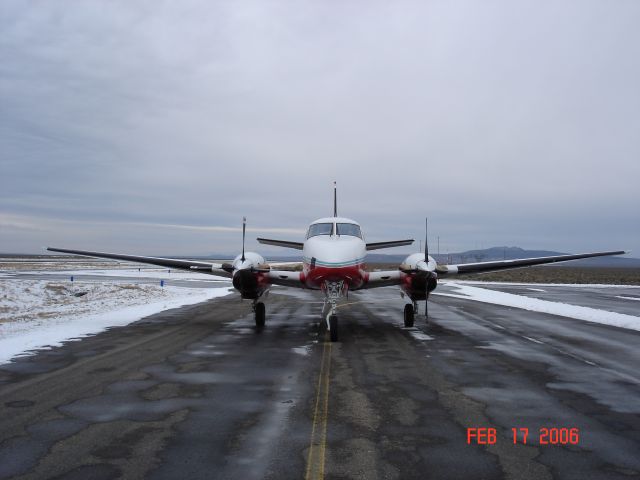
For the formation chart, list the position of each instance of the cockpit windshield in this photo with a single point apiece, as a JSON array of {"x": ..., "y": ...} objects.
[
  {"x": 348, "y": 229},
  {"x": 320, "y": 229}
]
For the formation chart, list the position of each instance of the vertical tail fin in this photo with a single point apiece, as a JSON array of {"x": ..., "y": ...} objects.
[{"x": 335, "y": 200}]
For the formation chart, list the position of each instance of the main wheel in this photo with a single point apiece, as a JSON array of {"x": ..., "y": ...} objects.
[
  {"x": 408, "y": 315},
  {"x": 260, "y": 314},
  {"x": 333, "y": 328}
]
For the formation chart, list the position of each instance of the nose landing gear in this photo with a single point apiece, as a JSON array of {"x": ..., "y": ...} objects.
[
  {"x": 333, "y": 328},
  {"x": 333, "y": 291}
]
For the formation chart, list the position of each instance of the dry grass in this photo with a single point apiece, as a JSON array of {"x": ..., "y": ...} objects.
[
  {"x": 56, "y": 288},
  {"x": 129, "y": 287},
  {"x": 550, "y": 274},
  {"x": 607, "y": 276},
  {"x": 57, "y": 263}
]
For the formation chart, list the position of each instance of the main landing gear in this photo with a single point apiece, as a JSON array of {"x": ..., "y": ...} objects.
[
  {"x": 260, "y": 314},
  {"x": 411, "y": 310},
  {"x": 409, "y": 314}
]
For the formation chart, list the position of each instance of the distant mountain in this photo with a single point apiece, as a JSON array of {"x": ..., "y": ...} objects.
[{"x": 511, "y": 253}]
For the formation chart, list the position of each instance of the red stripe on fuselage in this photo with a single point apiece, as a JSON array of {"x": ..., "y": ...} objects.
[{"x": 352, "y": 275}]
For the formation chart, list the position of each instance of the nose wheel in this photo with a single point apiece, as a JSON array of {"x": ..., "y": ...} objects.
[{"x": 333, "y": 328}]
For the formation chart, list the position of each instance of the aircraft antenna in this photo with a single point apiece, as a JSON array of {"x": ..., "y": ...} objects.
[
  {"x": 335, "y": 200},
  {"x": 244, "y": 228}
]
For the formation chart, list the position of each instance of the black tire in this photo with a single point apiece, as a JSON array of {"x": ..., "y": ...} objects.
[
  {"x": 408, "y": 315},
  {"x": 260, "y": 314},
  {"x": 333, "y": 328}
]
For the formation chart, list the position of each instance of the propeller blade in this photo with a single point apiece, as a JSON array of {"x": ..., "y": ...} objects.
[
  {"x": 260, "y": 269},
  {"x": 426, "y": 240},
  {"x": 227, "y": 267},
  {"x": 426, "y": 262},
  {"x": 244, "y": 229}
]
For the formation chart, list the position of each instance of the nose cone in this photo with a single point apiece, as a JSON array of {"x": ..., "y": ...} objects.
[
  {"x": 334, "y": 251},
  {"x": 240, "y": 265}
]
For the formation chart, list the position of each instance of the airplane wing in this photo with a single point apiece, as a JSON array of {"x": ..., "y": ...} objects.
[
  {"x": 389, "y": 244},
  {"x": 285, "y": 278},
  {"x": 287, "y": 265},
  {"x": 393, "y": 277},
  {"x": 384, "y": 278},
  {"x": 201, "y": 267},
  {"x": 281, "y": 243},
  {"x": 484, "y": 267}
]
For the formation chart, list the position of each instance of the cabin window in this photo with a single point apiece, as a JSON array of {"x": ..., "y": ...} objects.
[
  {"x": 320, "y": 229},
  {"x": 348, "y": 229}
]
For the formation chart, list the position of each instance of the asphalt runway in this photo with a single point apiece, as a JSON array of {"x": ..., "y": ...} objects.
[{"x": 197, "y": 392}]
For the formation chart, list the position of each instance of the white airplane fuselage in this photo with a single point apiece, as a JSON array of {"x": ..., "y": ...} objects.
[{"x": 334, "y": 256}]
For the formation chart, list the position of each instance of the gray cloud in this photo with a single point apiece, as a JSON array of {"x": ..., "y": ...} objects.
[{"x": 506, "y": 122}]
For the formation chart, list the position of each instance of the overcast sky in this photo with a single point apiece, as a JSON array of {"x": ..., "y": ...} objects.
[{"x": 154, "y": 127}]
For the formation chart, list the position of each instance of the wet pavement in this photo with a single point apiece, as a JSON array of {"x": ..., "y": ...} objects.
[{"x": 198, "y": 392}]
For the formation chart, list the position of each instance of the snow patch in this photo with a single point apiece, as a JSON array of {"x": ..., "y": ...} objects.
[
  {"x": 302, "y": 350},
  {"x": 627, "y": 298},
  {"x": 468, "y": 292},
  {"x": 514, "y": 284},
  {"x": 418, "y": 335},
  {"x": 36, "y": 314},
  {"x": 533, "y": 340}
]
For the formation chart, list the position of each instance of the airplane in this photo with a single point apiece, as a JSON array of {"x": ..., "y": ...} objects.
[{"x": 333, "y": 261}]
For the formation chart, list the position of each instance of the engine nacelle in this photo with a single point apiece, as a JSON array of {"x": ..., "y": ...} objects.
[
  {"x": 249, "y": 275},
  {"x": 415, "y": 261},
  {"x": 251, "y": 260},
  {"x": 419, "y": 277}
]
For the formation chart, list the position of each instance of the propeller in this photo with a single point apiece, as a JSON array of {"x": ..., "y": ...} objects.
[
  {"x": 244, "y": 229},
  {"x": 426, "y": 243},
  {"x": 420, "y": 265},
  {"x": 229, "y": 267},
  {"x": 420, "y": 269},
  {"x": 253, "y": 265},
  {"x": 426, "y": 262}
]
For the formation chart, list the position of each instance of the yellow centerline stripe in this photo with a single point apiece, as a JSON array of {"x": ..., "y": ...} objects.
[{"x": 317, "y": 447}]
